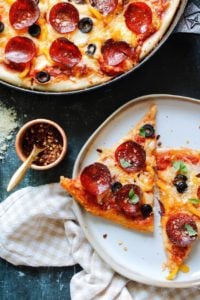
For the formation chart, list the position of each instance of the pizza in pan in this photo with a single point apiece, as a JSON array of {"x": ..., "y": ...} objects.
[
  {"x": 119, "y": 186},
  {"x": 178, "y": 180},
  {"x": 60, "y": 46}
]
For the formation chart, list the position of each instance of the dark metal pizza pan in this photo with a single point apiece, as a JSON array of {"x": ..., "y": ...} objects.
[{"x": 187, "y": 19}]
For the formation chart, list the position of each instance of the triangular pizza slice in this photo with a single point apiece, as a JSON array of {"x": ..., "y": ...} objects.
[
  {"x": 120, "y": 185},
  {"x": 178, "y": 180}
]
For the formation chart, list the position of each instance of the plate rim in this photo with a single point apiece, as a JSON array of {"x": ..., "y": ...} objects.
[{"x": 150, "y": 98}]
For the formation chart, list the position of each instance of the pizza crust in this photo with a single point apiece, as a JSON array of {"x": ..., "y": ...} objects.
[{"x": 152, "y": 42}]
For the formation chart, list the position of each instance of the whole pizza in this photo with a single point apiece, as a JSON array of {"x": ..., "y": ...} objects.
[{"x": 69, "y": 45}]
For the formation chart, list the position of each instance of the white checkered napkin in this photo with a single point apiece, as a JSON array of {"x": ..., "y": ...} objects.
[{"x": 38, "y": 228}]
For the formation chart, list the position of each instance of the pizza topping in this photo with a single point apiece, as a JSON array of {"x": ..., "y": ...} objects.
[
  {"x": 198, "y": 192},
  {"x": 115, "y": 52},
  {"x": 181, "y": 186},
  {"x": 85, "y": 25},
  {"x": 146, "y": 210},
  {"x": 181, "y": 229},
  {"x": 117, "y": 57},
  {"x": 2, "y": 26},
  {"x": 42, "y": 76},
  {"x": 128, "y": 199},
  {"x": 147, "y": 131},
  {"x": 163, "y": 162},
  {"x": 180, "y": 179},
  {"x": 116, "y": 186},
  {"x": 34, "y": 30},
  {"x": 194, "y": 201},
  {"x": 96, "y": 179},
  {"x": 180, "y": 166},
  {"x": 105, "y": 7},
  {"x": 64, "y": 52},
  {"x": 130, "y": 156},
  {"x": 138, "y": 18},
  {"x": 23, "y": 13},
  {"x": 91, "y": 48},
  {"x": 20, "y": 50},
  {"x": 64, "y": 17},
  {"x": 180, "y": 183}
]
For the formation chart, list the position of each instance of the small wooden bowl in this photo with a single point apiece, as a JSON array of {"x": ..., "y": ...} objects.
[{"x": 20, "y": 136}]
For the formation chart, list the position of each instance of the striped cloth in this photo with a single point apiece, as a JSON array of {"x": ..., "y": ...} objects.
[{"x": 38, "y": 228}]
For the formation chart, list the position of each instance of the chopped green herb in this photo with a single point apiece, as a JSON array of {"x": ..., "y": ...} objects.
[
  {"x": 142, "y": 132},
  {"x": 124, "y": 163},
  {"x": 133, "y": 197},
  {"x": 194, "y": 201},
  {"x": 180, "y": 166},
  {"x": 190, "y": 230}
]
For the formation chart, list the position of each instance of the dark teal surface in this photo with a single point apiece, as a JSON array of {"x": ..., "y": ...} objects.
[{"x": 174, "y": 69}]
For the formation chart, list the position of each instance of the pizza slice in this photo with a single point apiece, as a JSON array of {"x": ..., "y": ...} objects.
[
  {"x": 178, "y": 180},
  {"x": 119, "y": 186}
]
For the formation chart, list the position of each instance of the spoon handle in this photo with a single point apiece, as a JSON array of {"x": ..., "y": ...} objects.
[{"x": 21, "y": 171}]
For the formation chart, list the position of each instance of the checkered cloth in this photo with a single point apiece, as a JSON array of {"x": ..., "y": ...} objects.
[{"x": 38, "y": 228}]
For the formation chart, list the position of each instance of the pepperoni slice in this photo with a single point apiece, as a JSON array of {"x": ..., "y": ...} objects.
[
  {"x": 105, "y": 7},
  {"x": 96, "y": 179},
  {"x": 20, "y": 50},
  {"x": 64, "y": 17},
  {"x": 125, "y": 203},
  {"x": 23, "y": 13},
  {"x": 65, "y": 52},
  {"x": 130, "y": 156},
  {"x": 176, "y": 229},
  {"x": 138, "y": 18},
  {"x": 114, "y": 57},
  {"x": 115, "y": 53}
]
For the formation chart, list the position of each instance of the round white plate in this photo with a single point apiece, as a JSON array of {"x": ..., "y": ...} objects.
[{"x": 136, "y": 255}]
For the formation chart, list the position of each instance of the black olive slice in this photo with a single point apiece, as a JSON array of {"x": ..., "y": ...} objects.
[
  {"x": 148, "y": 130},
  {"x": 146, "y": 210},
  {"x": 34, "y": 30},
  {"x": 180, "y": 183},
  {"x": 43, "y": 76},
  {"x": 1, "y": 26},
  {"x": 116, "y": 186},
  {"x": 85, "y": 25},
  {"x": 178, "y": 178},
  {"x": 91, "y": 48},
  {"x": 181, "y": 187}
]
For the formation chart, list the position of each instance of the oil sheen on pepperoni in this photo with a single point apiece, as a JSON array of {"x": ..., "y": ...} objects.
[
  {"x": 115, "y": 52},
  {"x": 64, "y": 52},
  {"x": 177, "y": 232},
  {"x": 138, "y": 18},
  {"x": 64, "y": 17},
  {"x": 20, "y": 50},
  {"x": 130, "y": 156},
  {"x": 124, "y": 202},
  {"x": 105, "y": 7},
  {"x": 96, "y": 179},
  {"x": 23, "y": 13}
]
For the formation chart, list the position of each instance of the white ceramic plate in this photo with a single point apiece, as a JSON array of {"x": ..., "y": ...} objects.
[{"x": 135, "y": 255}]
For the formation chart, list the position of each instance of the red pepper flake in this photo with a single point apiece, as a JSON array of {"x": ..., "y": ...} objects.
[
  {"x": 157, "y": 137},
  {"x": 99, "y": 150},
  {"x": 45, "y": 136}
]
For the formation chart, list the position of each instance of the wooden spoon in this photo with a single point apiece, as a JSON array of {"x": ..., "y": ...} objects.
[{"x": 21, "y": 171}]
